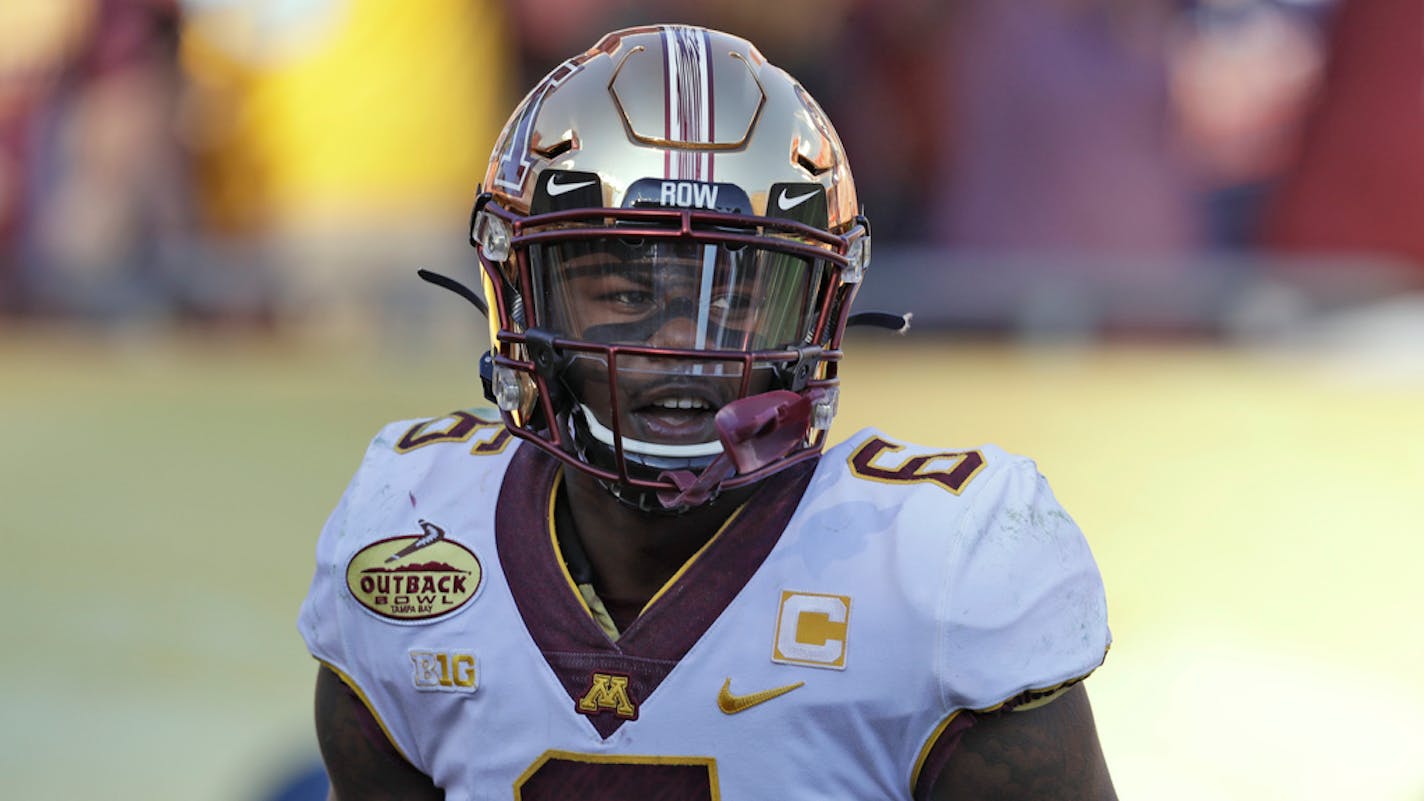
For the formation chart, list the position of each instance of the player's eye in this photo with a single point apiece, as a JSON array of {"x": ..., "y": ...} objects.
[
  {"x": 732, "y": 307},
  {"x": 626, "y": 296},
  {"x": 631, "y": 299}
]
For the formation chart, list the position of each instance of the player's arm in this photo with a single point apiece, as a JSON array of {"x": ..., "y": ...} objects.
[
  {"x": 361, "y": 763},
  {"x": 1051, "y": 751}
]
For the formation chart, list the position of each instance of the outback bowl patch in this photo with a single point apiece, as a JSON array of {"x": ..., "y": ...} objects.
[{"x": 413, "y": 584}]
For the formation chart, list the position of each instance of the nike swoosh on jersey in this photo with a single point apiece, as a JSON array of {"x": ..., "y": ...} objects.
[
  {"x": 787, "y": 203},
  {"x": 555, "y": 189},
  {"x": 732, "y": 704}
]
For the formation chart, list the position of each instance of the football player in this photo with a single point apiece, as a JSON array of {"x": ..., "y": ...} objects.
[{"x": 645, "y": 574}]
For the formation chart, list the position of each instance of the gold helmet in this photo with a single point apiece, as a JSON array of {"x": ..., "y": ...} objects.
[{"x": 670, "y": 243}]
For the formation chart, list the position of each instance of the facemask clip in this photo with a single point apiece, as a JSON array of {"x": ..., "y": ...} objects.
[{"x": 492, "y": 236}]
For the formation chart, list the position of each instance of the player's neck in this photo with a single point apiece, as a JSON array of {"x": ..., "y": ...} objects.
[{"x": 633, "y": 554}]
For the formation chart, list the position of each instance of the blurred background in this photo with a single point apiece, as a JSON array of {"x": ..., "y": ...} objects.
[{"x": 1173, "y": 249}]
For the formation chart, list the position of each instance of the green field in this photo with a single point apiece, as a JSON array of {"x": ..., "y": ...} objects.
[{"x": 1258, "y": 519}]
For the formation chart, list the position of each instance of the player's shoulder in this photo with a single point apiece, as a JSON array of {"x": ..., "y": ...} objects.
[
  {"x": 453, "y": 445},
  {"x": 432, "y": 468},
  {"x": 477, "y": 431},
  {"x": 983, "y": 549},
  {"x": 979, "y": 494},
  {"x": 873, "y": 462}
]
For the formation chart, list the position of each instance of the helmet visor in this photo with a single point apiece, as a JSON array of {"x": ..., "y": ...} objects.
[{"x": 675, "y": 293}]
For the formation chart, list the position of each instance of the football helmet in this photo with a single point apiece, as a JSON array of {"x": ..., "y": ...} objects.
[{"x": 670, "y": 242}]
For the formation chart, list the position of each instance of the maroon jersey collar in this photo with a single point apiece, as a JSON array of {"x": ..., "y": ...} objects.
[{"x": 573, "y": 644}]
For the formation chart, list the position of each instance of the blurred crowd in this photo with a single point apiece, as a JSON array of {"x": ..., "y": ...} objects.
[{"x": 270, "y": 163}]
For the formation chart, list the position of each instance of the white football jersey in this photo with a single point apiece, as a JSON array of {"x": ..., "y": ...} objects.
[{"x": 814, "y": 649}]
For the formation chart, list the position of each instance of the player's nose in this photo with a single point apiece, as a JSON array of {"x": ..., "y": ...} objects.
[{"x": 678, "y": 331}]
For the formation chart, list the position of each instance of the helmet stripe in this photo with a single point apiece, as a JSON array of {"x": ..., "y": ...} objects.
[
  {"x": 708, "y": 98},
  {"x": 687, "y": 109}
]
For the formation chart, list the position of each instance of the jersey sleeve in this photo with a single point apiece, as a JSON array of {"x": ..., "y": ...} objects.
[
  {"x": 319, "y": 620},
  {"x": 1024, "y": 609},
  {"x": 325, "y": 619},
  {"x": 325, "y": 613}
]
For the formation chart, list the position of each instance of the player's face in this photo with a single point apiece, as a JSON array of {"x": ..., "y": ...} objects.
[{"x": 682, "y": 296}]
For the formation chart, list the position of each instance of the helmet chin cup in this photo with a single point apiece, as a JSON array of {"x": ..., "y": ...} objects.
[{"x": 593, "y": 443}]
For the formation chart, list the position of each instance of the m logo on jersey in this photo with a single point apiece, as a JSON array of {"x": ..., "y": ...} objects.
[
  {"x": 811, "y": 629},
  {"x": 608, "y": 692},
  {"x": 443, "y": 671},
  {"x": 414, "y": 578}
]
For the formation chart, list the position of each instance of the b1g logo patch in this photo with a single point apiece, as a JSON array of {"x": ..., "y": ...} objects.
[
  {"x": 415, "y": 578},
  {"x": 443, "y": 671}
]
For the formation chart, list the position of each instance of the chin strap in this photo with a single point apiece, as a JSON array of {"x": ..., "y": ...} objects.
[{"x": 755, "y": 432}]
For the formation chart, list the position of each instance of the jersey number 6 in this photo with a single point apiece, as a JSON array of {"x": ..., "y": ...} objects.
[
  {"x": 953, "y": 471},
  {"x": 569, "y": 776}
]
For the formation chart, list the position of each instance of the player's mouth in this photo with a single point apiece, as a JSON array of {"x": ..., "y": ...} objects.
[{"x": 675, "y": 416}]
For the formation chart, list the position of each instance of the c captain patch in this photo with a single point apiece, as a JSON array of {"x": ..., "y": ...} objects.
[
  {"x": 811, "y": 630},
  {"x": 415, "y": 578}
]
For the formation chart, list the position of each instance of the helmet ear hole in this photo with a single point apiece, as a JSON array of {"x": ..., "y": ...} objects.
[
  {"x": 805, "y": 163},
  {"x": 555, "y": 150}
]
